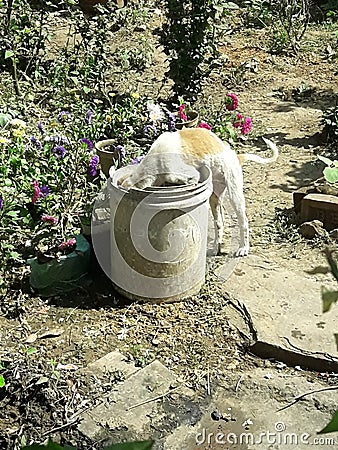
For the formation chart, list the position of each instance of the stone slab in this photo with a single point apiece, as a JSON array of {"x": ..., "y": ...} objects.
[
  {"x": 285, "y": 308},
  {"x": 249, "y": 409},
  {"x": 138, "y": 408},
  {"x": 111, "y": 362},
  {"x": 320, "y": 207}
]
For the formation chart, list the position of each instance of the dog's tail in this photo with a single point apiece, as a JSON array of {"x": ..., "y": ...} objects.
[{"x": 251, "y": 157}]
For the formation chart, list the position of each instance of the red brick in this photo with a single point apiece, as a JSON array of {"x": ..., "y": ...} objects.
[{"x": 321, "y": 207}]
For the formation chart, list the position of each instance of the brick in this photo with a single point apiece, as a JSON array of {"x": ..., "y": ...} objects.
[{"x": 320, "y": 207}]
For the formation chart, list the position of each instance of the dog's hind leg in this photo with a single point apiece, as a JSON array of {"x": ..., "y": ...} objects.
[{"x": 237, "y": 201}]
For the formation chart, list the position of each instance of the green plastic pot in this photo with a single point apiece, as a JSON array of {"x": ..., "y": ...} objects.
[{"x": 61, "y": 275}]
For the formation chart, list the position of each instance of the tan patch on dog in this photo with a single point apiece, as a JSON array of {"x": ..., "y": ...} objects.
[
  {"x": 241, "y": 159},
  {"x": 198, "y": 142}
]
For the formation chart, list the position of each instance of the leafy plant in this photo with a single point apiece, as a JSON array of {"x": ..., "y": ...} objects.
[
  {"x": 188, "y": 40},
  {"x": 293, "y": 20},
  {"x": 330, "y": 122},
  {"x": 331, "y": 170}
]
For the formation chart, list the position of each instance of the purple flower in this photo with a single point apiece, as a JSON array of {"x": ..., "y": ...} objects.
[
  {"x": 88, "y": 143},
  {"x": 57, "y": 139},
  {"x": 171, "y": 121},
  {"x": 137, "y": 160},
  {"x": 59, "y": 151},
  {"x": 64, "y": 115},
  {"x": 88, "y": 118},
  {"x": 120, "y": 152},
  {"x": 149, "y": 130},
  {"x": 1, "y": 203},
  {"x": 92, "y": 168},
  {"x": 40, "y": 127},
  {"x": 36, "y": 142},
  {"x": 44, "y": 191}
]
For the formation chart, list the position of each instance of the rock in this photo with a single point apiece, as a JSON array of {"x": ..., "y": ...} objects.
[
  {"x": 310, "y": 230},
  {"x": 321, "y": 207}
]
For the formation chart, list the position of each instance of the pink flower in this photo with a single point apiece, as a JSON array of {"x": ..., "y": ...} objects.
[
  {"x": 68, "y": 244},
  {"x": 247, "y": 126},
  {"x": 204, "y": 125},
  {"x": 181, "y": 113},
  {"x": 49, "y": 219},
  {"x": 37, "y": 192},
  {"x": 238, "y": 122},
  {"x": 231, "y": 102}
]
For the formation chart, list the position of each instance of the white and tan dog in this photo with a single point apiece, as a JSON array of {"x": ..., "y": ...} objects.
[{"x": 174, "y": 159}]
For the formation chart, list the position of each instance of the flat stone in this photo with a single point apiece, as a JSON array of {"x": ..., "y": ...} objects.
[
  {"x": 284, "y": 309},
  {"x": 137, "y": 408},
  {"x": 111, "y": 362},
  {"x": 320, "y": 207},
  {"x": 250, "y": 415}
]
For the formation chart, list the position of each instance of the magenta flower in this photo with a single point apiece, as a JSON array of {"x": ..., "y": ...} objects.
[
  {"x": 181, "y": 113},
  {"x": 68, "y": 244},
  {"x": 1, "y": 203},
  {"x": 238, "y": 121},
  {"x": 36, "y": 192},
  {"x": 204, "y": 125},
  {"x": 247, "y": 126},
  {"x": 49, "y": 219},
  {"x": 231, "y": 102}
]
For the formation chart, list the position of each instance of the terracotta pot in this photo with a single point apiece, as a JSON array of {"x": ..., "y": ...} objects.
[
  {"x": 106, "y": 151},
  {"x": 193, "y": 119}
]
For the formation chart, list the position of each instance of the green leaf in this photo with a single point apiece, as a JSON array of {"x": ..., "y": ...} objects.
[
  {"x": 86, "y": 90},
  {"x": 9, "y": 54},
  {"x": 331, "y": 174},
  {"x": 2, "y": 381},
  {"x": 327, "y": 161},
  {"x": 31, "y": 350},
  {"x": 139, "y": 445},
  {"x": 4, "y": 119},
  {"x": 331, "y": 426},
  {"x": 328, "y": 298}
]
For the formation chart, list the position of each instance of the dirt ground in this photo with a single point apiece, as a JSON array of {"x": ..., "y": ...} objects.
[{"x": 43, "y": 341}]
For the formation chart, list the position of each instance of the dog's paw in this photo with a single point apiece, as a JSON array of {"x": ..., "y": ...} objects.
[
  {"x": 243, "y": 251},
  {"x": 221, "y": 249}
]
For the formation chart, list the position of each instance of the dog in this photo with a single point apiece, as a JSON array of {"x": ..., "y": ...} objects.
[{"x": 174, "y": 159}]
